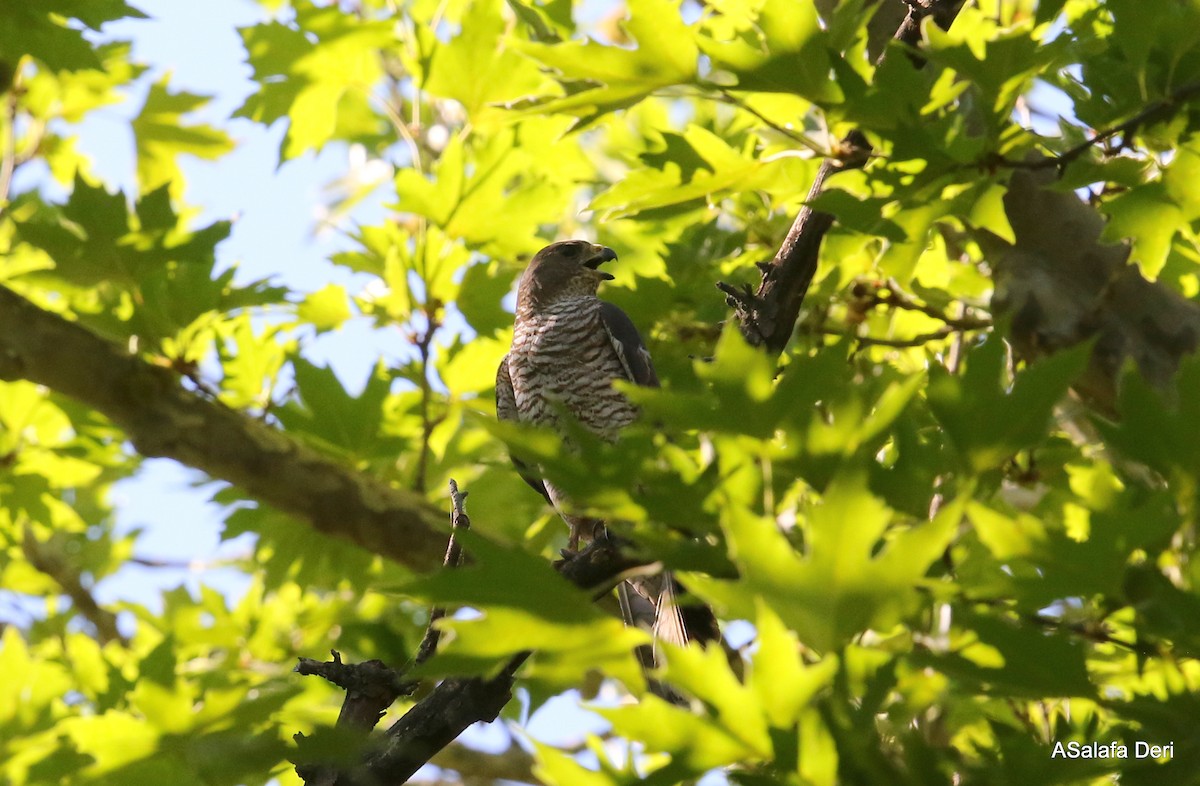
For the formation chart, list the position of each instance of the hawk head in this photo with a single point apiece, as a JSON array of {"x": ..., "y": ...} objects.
[{"x": 569, "y": 268}]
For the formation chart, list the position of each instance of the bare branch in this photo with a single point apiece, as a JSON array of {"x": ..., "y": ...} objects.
[
  {"x": 916, "y": 341},
  {"x": 768, "y": 317},
  {"x": 458, "y": 520},
  {"x": 53, "y": 563},
  {"x": 892, "y": 295},
  {"x": 452, "y": 706},
  {"x": 370, "y": 687},
  {"x": 729, "y": 97}
]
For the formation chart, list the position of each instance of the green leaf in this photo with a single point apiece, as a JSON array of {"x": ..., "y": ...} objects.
[
  {"x": 859, "y": 214},
  {"x": 844, "y": 581},
  {"x": 696, "y": 742},
  {"x": 43, "y": 31},
  {"x": 1150, "y": 215},
  {"x": 783, "y": 683},
  {"x": 476, "y": 68},
  {"x": 782, "y": 48},
  {"x": 988, "y": 424},
  {"x": 1000, "y": 657},
  {"x": 1000, "y": 62},
  {"x": 1164, "y": 610},
  {"x": 696, "y": 167},
  {"x": 163, "y": 135},
  {"x": 598, "y": 79},
  {"x": 556, "y": 768},
  {"x": 1160, "y": 429},
  {"x": 318, "y": 74},
  {"x": 492, "y": 195},
  {"x": 484, "y": 286},
  {"x": 332, "y": 417},
  {"x": 705, "y": 674},
  {"x": 325, "y": 309},
  {"x": 526, "y": 605}
]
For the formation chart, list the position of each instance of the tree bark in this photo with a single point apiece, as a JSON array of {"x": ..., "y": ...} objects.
[{"x": 161, "y": 418}]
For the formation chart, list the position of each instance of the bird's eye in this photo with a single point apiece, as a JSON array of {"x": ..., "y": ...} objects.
[{"x": 570, "y": 251}]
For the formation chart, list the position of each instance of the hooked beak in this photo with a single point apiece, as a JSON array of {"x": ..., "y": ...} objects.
[{"x": 600, "y": 255}]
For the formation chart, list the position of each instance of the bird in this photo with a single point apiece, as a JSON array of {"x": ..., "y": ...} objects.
[{"x": 568, "y": 348}]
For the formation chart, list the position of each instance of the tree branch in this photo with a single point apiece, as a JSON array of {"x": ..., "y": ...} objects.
[
  {"x": 44, "y": 557},
  {"x": 768, "y": 317},
  {"x": 437, "y": 719},
  {"x": 1159, "y": 110},
  {"x": 916, "y": 341},
  {"x": 458, "y": 520},
  {"x": 163, "y": 419},
  {"x": 455, "y": 704}
]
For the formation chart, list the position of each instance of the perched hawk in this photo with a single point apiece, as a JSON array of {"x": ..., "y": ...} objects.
[{"x": 568, "y": 348}]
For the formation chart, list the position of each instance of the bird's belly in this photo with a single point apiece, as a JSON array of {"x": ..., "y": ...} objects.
[{"x": 561, "y": 368}]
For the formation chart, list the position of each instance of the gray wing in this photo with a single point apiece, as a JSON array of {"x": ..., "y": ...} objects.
[
  {"x": 635, "y": 358},
  {"x": 506, "y": 409},
  {"x": 653, "y": 602}
]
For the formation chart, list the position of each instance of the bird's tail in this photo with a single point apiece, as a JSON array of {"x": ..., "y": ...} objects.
[{"x": 652, "y": 604}]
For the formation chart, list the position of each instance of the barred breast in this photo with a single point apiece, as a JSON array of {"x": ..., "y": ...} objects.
[{"x": 563, "y": 360}]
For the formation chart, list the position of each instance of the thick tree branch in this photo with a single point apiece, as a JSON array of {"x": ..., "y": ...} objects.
[{"x": 163, "y": 419}]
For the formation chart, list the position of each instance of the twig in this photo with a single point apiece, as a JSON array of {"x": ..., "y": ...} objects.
[
  {"x": 1125, "y": 129},
  {"x": 424, "y": 348},
  {"x": 915, "y": 341},
  {"x": 1090, "y": 630},
  {"x": 458, "y": 520},
  {"x": 51, "y": 562},
  {"x": 190, "y": 565},
  {"x": 1093, "y": 633},
  {"x": 371, "y": 687},
  {"x": 456, "y": 703},
  {"x": 728, "y": 97},
  {"x": 891, "y": 294}
]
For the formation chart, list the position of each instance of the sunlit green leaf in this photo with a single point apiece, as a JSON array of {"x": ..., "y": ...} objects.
[
  {"x": 987, "y": 423},
  {"x": 163, "y": 136}
]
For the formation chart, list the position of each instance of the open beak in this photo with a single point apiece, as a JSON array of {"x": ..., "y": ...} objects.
[{"x": 600, "y": 255}]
